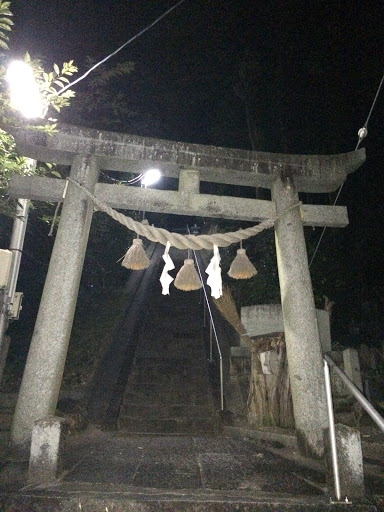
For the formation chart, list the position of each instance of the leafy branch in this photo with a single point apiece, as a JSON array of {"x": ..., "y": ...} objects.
[
  {"x": 50, "y": 86},
  {"x": 5, "y": 23}
]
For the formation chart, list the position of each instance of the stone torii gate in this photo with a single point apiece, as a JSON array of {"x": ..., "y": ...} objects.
[{"x": 87, "y": 151}]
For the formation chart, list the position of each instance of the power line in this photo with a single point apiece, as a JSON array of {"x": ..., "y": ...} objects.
[
  {"x": 162, "y": 16},
  {"x": 362, "y": 133},
  {"x": 130, "y": 182}
]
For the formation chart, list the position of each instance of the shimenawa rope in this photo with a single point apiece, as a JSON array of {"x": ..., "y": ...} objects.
[{"x": 195, "y": 242}]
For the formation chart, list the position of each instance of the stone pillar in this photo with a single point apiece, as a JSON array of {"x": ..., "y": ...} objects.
[
  {"x": 352, "y": 367},
  {"x": 46, "y": 358},
  {"x": 350, "y": 462},
  {"x": 189, "y": 181},
  {"x": 300, "y": 323},
  {"x": 46, "y": 450}
]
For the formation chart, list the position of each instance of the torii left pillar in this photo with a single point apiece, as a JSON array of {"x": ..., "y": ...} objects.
[{"x": 44, "y": 369}]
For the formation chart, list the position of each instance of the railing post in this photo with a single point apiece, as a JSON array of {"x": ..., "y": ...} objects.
[
  {"x": 212, "y": 333},
  {"x": 210, "y": 341},
  {"x": 332, "y": 433}
]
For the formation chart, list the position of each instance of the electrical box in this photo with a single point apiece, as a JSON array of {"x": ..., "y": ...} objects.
[
  {"x": 5, "y": 267},
  {"x": 16, "y": 306}
]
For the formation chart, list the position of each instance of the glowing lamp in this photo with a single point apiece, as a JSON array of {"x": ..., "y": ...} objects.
[
  {"x": 150, "y": 177},
  {"x": 24, "y": 91}
]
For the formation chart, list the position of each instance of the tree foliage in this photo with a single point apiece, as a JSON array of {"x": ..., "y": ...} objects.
[
  {"x": 101, "y": 102},
  {"x": 51, "y": 85},
  {"x": 5, "y": 24}
]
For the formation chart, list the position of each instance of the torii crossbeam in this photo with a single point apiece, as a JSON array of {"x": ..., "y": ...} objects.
[{"x": 87, "y": 151}]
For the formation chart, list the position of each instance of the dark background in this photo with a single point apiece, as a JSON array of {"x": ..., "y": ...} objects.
[{"x": 297, "y": 77}]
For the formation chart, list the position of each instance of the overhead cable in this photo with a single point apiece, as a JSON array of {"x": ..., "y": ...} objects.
[
  {"x": 362, "y": 133},
  {"x": 102, "y": 61}
]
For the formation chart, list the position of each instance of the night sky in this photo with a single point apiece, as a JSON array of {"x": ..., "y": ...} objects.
[
  {"x": 329, "y": 56},
  {"x": 305, "y": 71}
]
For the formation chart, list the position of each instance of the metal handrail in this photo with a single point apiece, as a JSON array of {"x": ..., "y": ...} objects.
[
  {"x": 374, "y": 414},
  {"x": 332, "y": 432},
  {"x": 212, "y": 328}
]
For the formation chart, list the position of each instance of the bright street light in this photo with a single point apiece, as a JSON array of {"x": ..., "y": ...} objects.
[
  {"x": 150, "y": 177},
  {"x": 25, "y": 94}
]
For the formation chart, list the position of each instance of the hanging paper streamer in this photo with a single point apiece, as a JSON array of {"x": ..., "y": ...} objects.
[
  {"x": 136, "y": 258},
  {"x": 187, "y": 278},
  {"x": 214, "y": 274},
  {"x": 242, "y": 267},
  {"x": 165, "y": 278}
]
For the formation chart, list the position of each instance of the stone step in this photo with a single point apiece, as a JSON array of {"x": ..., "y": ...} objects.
[
  {"x": 163, "y": 339},
  {"x": 195, "y": 358},
  {"x": 197, "y": 426},
  {"x": 168, "y": 389},
  {"x": 165, "y": 364},
  {"x": 153, "y": 397},
  {"x": 99, "y": 500},
  {"x": 149, "y": 381},
  {"x": 144, "y": 411},
  {"x": 155, "y": 376},
  {"x": 170, "y": 369}
]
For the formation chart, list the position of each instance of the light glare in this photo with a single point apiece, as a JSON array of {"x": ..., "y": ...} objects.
[
  {"x": 150, "y": 177},
  {"x": 24, "y": 91}
]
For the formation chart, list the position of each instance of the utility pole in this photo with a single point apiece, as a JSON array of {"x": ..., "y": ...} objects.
[{"x": 8, "y": 296}]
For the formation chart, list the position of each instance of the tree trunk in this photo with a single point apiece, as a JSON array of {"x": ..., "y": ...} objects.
[{"x": 269, "y": 400}]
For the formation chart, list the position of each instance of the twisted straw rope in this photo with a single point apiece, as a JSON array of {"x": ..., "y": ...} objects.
[{"x": 176, "y": 239}]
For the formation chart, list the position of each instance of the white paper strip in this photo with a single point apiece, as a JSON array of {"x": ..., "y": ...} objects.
[
  {"x": 214, "y": 274},
  {"x": 165, "y": 278},
  {"x": 265, "y": 360}
]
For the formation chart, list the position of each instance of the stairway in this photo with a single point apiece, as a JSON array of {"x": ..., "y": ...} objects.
[{"x": 168, "y": 390}]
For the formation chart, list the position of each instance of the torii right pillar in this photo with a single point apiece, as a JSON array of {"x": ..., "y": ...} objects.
[{"x": 300, "y": 323}]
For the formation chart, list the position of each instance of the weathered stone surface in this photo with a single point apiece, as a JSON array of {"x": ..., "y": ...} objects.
[
  {"x": 177, "y": 203},
  {"x": 46, "y": 450},
  {"x": 113, "y": 151},
  {"x": 300, "y": 324},
  {"x": 352, "y": 366},
  {"x": 240, "y": 352},
  {"x": 323, "y": 323},
  {"x": 168, "y": 390},
  {"x": 180, "y": 474},
  {"x": 46, "y": 358},
  {"x": 268, "y": 318},
  {"x": 185, "y": 502},
  {"x": 350, "y": 461},
  {"x": 123, "y": 152}
]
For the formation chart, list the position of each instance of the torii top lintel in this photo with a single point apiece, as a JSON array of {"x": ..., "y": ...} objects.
[{"x": 132, "y": 153}]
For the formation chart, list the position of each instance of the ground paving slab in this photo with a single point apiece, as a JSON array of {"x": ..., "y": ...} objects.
[{"x": 107, "y": 472}]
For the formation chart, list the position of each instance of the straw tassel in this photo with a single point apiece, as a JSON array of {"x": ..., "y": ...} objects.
[
  {"x": 241, "y": 267},
  {"x": 187, "y": 278},
  {"x": 136, "y": 258}
]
